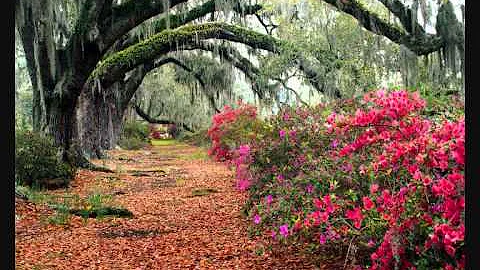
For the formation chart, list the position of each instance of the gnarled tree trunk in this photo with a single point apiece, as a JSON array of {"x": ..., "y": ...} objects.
[{"x": 100, "y": 112}]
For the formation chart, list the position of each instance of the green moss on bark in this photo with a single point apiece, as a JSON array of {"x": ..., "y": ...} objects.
[{"x": 113, "y": 67}]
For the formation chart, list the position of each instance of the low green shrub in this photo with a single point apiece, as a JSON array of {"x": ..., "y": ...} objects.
[
  {"x": 95, "y": 205},
  {"x": 134, "y": 135},
  {"x": 132, "y": 143},
  {"x": 37, "y": 163},
  {"x": 135, "y": 129},
  {"x": 198, "y": 138}
]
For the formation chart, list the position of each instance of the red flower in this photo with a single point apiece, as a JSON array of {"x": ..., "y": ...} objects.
[
  {"x": 356, "y": 216},
  {"x": 367, "y": 203}
]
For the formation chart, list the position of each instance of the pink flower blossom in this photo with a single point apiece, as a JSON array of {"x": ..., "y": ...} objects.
[
  {"x": 256, "y": 219},
  {"x": 322, "y": 239},
  {"x": 334, "y": 143},
  {"x": 243, "y": 184},
  {"x": 244, "y": 150},
  {"x": 307, "y": 223},
  {"x": 269, "y": 199},
  {"x": 371, "y": 243},
  {"x": 309, "y": 188},
  {"x": 373, "y": 188},
  {"x": 367, "y": 203},
  {"x": 356, "y": 216},
  {"x": 284, "y": 230}
]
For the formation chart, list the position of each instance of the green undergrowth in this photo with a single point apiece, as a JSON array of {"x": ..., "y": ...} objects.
[
  {"x": 131, "y": 143},
  {"x": 37, "y": 162},
  {"x": 163, "y": 142},
  {"x": 95, "y": 205},
  {"x": 200, "y": 154},
  {"x": 203, "y": 191},
  {"x": 199, "y": 138},
  {"x": 134, "y": 135}
]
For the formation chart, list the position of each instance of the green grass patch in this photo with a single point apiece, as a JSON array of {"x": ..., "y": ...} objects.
[
  {"x": 197, "y": 155},
  {"x": 203, "y": 191},
  {"x": 100, "y": 212},
  {"x": 132, "y": 233},
  {"x": 163, "y": 142},
  {"x": 56, "y": 254},
  {"x": 95, "y": 205},
  {"x": 180, "y": 181},
  {"x": 147, "y": 172}
]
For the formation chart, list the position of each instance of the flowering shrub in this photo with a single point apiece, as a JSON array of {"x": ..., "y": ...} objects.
[
  {"x": 230, "y": 128},
  {"x": 156, "y": 134},
  {"x": 415, "y": 168},
  {"x": 373, "y": 173}
]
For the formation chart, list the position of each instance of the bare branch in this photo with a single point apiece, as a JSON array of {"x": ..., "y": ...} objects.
[
  {"x": 152, "y": 120},
  {"x": 297, "y": 95}
]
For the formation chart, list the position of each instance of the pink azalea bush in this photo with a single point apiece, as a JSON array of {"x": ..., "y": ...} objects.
[
  {"x": 230, "y": 128},
  {"x": 373, "y": 172}
]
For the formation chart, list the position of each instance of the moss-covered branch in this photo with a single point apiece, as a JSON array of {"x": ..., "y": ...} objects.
[
  {"x": 419, "y": 44},
  {"x": 197, "y": 76},
  {"x": 115, "y": 66},
  {"x": 313, "y": 76},
  {"x": 259, "y": 86},
  {"x": 405, "y": 15},
  {"x": 177, "y": 20},
  {"x": 131, "y": 14},
  {"x": 234, "y": 57}
]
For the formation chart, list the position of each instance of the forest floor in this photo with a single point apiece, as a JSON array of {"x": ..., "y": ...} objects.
[{"x": 187, "y": 215}]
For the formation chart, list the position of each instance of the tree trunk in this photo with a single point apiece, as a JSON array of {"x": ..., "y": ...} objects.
[
  {"x": 99, "y": 118},
  {"x": 100, "y": 113}
]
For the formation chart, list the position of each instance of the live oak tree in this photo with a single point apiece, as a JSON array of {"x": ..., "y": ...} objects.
[
  {"x": 194, "y": 86},
  {"x": 406, "y": 30},
  {"x": 61, "y": 59},
  {"x": 78, "y": 74},
  {"x": 373, "y": 41}
]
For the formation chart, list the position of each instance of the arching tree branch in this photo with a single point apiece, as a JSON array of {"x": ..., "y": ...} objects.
[
  {"x": 420, "y": 44},
  {"x": 176, "y": 20},
  {"x": 197, "y": 76},
  {"x": 268, "y": 27},
  {"x": 166, "y": 60},
  {"x": 313, "y": 77},
  {"x": 134, "y": 80},
  {"x": 130, "y": 14},
  {"x": 297, "y": 95},
  {"x": 152, "y": 120},
  {"x": 113, "y": 68},
  {"x": 405, "y": 15},
  {"x": 234, "y": 57}
]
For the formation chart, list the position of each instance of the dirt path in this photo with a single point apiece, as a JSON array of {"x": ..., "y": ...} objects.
[{"x": 176, "y": 225}]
